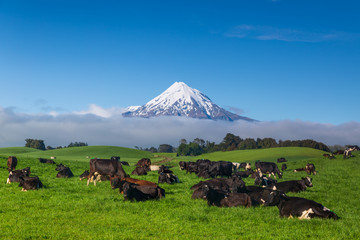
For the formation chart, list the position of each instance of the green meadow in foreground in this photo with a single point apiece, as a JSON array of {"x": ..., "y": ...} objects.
[{"x": 68, "y": 209}]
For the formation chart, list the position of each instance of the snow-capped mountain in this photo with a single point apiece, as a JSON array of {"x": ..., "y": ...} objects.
[{"x": 181, "y": 100}]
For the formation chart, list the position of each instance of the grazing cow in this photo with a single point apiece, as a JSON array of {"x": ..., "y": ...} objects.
[
  {"x": 244, "y": 165},
  {"x": 263, "y": 196},
  {"x": 44, "y": 160},
  {"x": 64, "y": 172},
  {"x": 136, "y": 192},
  {"x": 11, "y": 163},
  {"x": 310, "y": 168},
  {"x": 106, "y": 167},
  {"x": 117, "y": 182},
  {"x": 264, "y": 181},
  {"x": 293, "y": 186},
  {"x": 139, "y": 171},
  {"x": 168, "y": 178},
  {"x": 30, "y": 183},
  {"x": 236, "y": 200},
  {"x": 124, "y": 163},
  {"x": 279, "y": 160},
  {"x": 299, "y": 169},
  {"x": 304, "y": 209},
  {"x": 283, "y": 167},
  {"x": 268, "y": 167},
  {"x": 84, "y": 175},
  {"x": 221, "y": 168},
  {"x": 14, "y": 176}
]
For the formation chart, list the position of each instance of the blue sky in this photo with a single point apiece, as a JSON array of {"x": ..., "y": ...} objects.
[{"x": 270, "y": 60}]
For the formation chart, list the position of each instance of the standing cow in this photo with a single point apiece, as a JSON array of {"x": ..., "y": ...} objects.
[{"x": 11, "y": 163}]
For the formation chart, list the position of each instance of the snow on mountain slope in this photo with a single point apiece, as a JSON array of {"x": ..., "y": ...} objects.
[{"x": 181, "y": 100}]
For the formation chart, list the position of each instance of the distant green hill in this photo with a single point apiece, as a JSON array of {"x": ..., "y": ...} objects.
[
  {"x": 77, "y": 153},
  {"x": 268, "y": 154}
]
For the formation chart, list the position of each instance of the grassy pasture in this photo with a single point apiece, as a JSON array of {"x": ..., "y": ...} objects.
[{"x": 68, "y": 209}]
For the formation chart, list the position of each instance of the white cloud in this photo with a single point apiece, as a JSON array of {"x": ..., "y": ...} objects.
[
  {"x": 98, "y": 126},
  {"x": 286, "y": 34}
]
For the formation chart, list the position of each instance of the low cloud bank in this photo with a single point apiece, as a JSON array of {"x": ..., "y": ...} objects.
[{"x": 98, "y": 126}]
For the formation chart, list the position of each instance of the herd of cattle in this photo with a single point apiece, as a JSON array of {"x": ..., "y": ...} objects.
[{"x": 225, "y": 187}]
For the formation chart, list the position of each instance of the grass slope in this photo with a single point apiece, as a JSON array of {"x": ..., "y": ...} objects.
[
  {"x": 68, "y": 209},
  {"x": 268, "y": 154},
  {"x": 81, "y": 154}
]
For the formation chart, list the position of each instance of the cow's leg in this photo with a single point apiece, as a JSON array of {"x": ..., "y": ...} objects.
[{"x": 88, "y": 181}]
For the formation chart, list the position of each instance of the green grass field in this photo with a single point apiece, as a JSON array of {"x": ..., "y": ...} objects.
[{"x": 68, "y": 209}]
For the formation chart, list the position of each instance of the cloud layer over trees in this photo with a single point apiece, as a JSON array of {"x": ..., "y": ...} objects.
[{"x": 98, "y": 126}]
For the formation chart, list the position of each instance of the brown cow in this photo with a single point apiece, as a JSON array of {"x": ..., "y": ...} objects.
[
  {"x": 105, "y": 167},
  {"x": 144, "y": 162},
  {"x": 11, "y": 163},
  {"x": 117, "y": 182}
]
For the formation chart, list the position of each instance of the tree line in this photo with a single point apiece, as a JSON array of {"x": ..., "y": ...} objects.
[
  {"x": 39, "y": 144},
  {"x": 232, "y": 142}
]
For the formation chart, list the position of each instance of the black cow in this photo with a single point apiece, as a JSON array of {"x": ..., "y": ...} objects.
[
  {"x": 304, "y": 209},
  {"x": 310, "y": 168},
  {"x": 203, "y": 165},
  {"x": 234, "y": 184},
  {"x": 283, "y": 167},
  {"x": 11, "y": 163},
  {"x": 236, "y": 200},
  {"x": 282, "y": 159},
  {"x": 84, "y": 175},
  {"x": 268, "y": 167},
  {"x": 164, "y": 169},
  {"x": 142, "y": 193},
  {"x": 168, "y": 178},
  {"x": 221, "y": 168},
  {"x": 64, "y": 171},
  {"x": 293, "y": 186},
  {"x": 264, "y": 181},
  {"x": 44, "y": 160},
  {"x": 30, "y": 183},
  {"x": 139, "y": 171},
  {"x": 244, "y": 174},
  {"x": 124, "y": 163},
  {"x": 263, "y": 196},
  {"x": 299, "y": 169},
  {"x": 14, "y": 176},
  {"x": 213, "y": 196},
  {"x": 106, "y": 167}
]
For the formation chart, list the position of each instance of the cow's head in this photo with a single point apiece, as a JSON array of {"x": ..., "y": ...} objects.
[
  {"x": 60, "y": 167},
  {"x": 182, "y": 165},
  {"x": 115, "y": 182},
  {"x": 308, "y": 181}
]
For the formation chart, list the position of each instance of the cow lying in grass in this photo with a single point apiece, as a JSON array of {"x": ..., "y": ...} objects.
[
  {"x": 293, "y": 186},
  {"x": 14, "y": 176},
  {"x": 136, "y": 192},
  {"x": 304, "y": 209},
  {"x": 30, "y": 183}
]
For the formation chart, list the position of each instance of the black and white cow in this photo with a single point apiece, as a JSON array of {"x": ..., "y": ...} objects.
[
  {"x": 293, "y": 186},
  {"x": 268, "y": 167},
  {"x": 304, "y": 209}
]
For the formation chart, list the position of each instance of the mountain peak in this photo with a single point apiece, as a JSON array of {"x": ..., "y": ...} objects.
[{"x": 181, "y": 100}]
